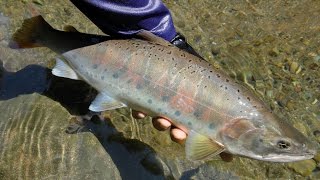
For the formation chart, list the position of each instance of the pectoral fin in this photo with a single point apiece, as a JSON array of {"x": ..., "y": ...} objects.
[
  {"x": 199, "y": 147},
  {"x": 62, "y": 69},
  {"x": 104, "y": 102}
]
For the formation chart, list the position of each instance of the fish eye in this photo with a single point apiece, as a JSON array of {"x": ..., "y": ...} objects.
[{"x": 282, "y": 144}]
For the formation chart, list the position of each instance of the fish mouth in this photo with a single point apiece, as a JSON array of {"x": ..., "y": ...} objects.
[{"x": 286, "y": 157}]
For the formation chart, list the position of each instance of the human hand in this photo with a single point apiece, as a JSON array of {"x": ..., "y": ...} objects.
[{"x": 177, "y": 135}]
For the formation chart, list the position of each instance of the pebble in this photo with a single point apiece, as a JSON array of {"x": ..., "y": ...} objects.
[
  {"x": 304, "y": 167},
  {"x": 317, "y": 157},
  {"x": 295, "y": 67},
  {"x": 274, "y": 52}
]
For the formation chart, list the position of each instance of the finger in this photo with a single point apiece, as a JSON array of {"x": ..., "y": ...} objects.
[
  {"x": 177, "y": 135},
  {"x": 138, "y": 114},
  {"x": 160, "y": 123}
]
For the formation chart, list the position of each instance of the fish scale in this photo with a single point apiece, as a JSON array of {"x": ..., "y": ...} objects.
[
  {"x": 155, "y": 77},
  {"x": 212, "y": 98}
]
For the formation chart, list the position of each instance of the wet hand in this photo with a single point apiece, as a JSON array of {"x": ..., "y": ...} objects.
[
  {"x": 161, "y": 124},
  {"x": 177, "y": 135}
]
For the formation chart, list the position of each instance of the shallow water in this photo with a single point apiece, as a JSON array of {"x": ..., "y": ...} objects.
[{"x": 272, "y": 46}]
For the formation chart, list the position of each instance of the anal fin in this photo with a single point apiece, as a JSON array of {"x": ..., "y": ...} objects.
[
  {"x": 199, "y": 147},
  {"x": 104, "y": 102}
]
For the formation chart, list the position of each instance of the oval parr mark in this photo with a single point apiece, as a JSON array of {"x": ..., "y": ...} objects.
[
  {"x": 149, "y": 101},
  {"x": 211, "y": 126},
  {"x": 177, "y": 113},
  {"x": 138, "y": 86},
  {"x": 165, "y": 98},
  {"x": 197, "y": 113},
  {"x": 95, "y": 66}
]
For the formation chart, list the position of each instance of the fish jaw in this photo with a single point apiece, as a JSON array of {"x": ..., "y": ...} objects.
[{"x": 284, "y": 158}]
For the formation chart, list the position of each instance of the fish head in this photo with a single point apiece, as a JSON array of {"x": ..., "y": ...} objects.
[{"x": 267, "y": 138}]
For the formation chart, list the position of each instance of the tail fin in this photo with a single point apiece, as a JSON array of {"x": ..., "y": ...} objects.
[{"x": 31, "y": 33}]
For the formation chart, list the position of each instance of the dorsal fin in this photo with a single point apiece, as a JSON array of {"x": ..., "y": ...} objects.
[{"x": 148, "y": 36}]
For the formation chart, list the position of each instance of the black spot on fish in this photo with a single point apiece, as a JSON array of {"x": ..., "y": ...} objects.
[
  {"x": 226, "y": 88},
  {"x": 115, "y": 75},
  {"x": 189, "y": 123},
  {"x": 177, "y": 113},
  {"x": 169, "y": 52},
  {"x": 248, "y": 98},
  {"x": 227, "y": 80},
  {"x": 211, "y": 126},
  {"x": 105, "y": 70},
  {"x": 238, "y": 90},
  {"x": 238, "y": 98},
  {"x": 102, "y": 77},
  {"x": 165, "y": 98},
  {"x": 218, "y": 75},
  {"x": 209, "y": 77},
  {"x": 95, "y": 66},
  {"x": 190, "y": 60},
  {"x": 149, "y": 101}
]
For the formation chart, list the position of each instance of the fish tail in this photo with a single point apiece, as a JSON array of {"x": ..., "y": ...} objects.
[{"x": 31, "y": 34}]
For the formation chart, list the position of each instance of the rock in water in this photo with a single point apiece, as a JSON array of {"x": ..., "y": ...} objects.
[{"x": 33, "y": 143}]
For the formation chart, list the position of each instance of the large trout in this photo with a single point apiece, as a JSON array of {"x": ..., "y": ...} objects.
[{"x": 152, "y": 76}]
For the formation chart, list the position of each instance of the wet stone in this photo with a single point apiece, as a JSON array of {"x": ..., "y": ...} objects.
[
  {"x": 36, "y": 125},
  {"x": 304, "y": 167}
]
